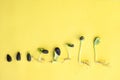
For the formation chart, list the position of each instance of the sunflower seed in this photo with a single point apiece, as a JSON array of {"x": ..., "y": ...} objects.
[
  {"x": 9, "y": 59},
  {"x": 28, "y": 57},
  {"x": 18, "y": 56}
]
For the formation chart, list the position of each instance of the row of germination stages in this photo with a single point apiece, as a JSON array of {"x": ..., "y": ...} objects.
[{"x": 57, "y": 53}]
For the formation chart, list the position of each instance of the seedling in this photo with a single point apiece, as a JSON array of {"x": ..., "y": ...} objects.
[
  {"x": 56, "y": 54},
  {"x": 43, "y": 51},
  {"x": 79, "y": 52},
  {"x": 68, "y": 53},
  {"x": 95, "y": 43},
  {"x": 85, "y": 61}
]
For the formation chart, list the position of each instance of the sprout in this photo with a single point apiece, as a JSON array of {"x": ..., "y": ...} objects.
[
  {"x": 42, "y": 50},
  {"x": 68, "y": 53},
  {"x": 18, "y": 56},
  {"x": 79, "y": 52},
  {"x": 9, "y": 59},
  {"x": 56, "y": 53},
  {"x": 101, "y": 61},
  {"x": 85, "y": 61},
  {"x": 96, "y": 41}
]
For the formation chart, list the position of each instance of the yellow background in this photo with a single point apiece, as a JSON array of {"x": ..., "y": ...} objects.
[{"x": 26, "y": 25}]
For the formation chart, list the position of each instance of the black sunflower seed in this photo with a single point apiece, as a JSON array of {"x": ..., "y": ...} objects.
[
  {"x": 70, "y": 45},
  {"x": 57, "y": 50},
  {"x": 44, "y": 51},
  {"x": 9, "y": 59},
  {"x": 82, "y": 38},
  {"x": 28, "y": 57},
  {"x": 18, "y": 56}
]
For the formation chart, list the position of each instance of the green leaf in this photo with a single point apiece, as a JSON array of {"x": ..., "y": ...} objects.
[{"x": 96, "y": 40}]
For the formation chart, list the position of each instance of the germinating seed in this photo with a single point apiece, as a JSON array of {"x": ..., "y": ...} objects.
[
  {"x": 44, "y": 51},
  {"x": 57, "y": 50}
]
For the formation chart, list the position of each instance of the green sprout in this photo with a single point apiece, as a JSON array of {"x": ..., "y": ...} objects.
[
  {"x": 56, "y": 54},
  {"x": 43, "y": 51},
  {"x": 95, "y": 43}
]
